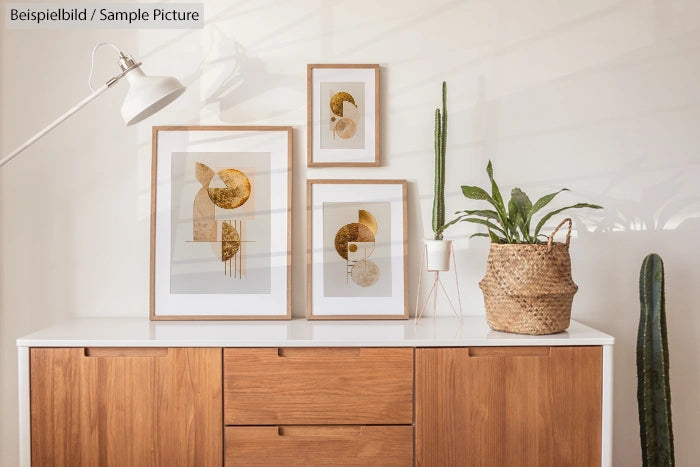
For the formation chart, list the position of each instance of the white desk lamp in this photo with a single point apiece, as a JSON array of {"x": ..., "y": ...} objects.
[{"x": 146, "y": 96}]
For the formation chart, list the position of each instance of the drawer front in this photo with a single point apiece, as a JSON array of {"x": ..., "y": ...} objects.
[
  {"x": 319, "y": 445},
  {"x": 314, "y": 386}
]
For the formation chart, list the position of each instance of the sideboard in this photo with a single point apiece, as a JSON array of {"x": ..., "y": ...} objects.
[{"x": 438, "y": 393}]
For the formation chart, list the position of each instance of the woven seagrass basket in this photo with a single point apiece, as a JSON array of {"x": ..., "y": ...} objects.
[{"x": 528, "y": 288}]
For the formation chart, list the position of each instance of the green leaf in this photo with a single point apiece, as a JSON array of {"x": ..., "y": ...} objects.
[
  {"x": 543, "y": 201},
  {"x": 479, "y": 234},
  {"x": 488, "y": 224},
  {"x": 474, "y": 192},
  {"x": 520, "y": 223},
  {"x": 557, "y": 211},
  {"x": 515, "y": 236},
  {"x": 495, "y": 238},
  {"x": 445, "y": 226},
  {"x": 487, "y": 213},
  {"x": 524, "y": 205},
  {"x": 513, "y": 221},
  {"x": 521, "y": 205},
  {"x": 512, "y": 210},
  {"x": 498, "y": 200}
]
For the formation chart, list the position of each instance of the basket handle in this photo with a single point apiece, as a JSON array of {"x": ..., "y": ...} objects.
[{"x": 568, "y": 234}]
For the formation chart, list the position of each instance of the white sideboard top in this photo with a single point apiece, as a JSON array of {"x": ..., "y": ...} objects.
[{"x": 429, "y": 332}]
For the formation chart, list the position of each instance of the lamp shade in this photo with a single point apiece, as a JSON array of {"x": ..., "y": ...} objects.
[{"x": 148, "y": 94}]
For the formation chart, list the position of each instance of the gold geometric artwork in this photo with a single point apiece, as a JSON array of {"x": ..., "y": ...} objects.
[
  {"x": 355, "y": 243},
  {"x": 236, "y": 190},
  {"x": 344, "y": 115}
]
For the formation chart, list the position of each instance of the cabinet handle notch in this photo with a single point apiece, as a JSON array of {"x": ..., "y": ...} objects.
[
  {"x": 486, "y": 352},
  {"x": 126, "y": 352}
]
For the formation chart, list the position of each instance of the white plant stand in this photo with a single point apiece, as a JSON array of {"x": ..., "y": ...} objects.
[{"x": 437, "y": 284}]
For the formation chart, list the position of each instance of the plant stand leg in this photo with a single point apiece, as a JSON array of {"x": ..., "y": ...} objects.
[
  {"x": 434, "y": 290},
  {"x": 420, "y": 279},
  {"x": 459, "y": 296},
  {"x": 435, "y": 284}
]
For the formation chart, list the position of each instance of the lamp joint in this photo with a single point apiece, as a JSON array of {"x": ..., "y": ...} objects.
[{"x": 127, "y": 63}]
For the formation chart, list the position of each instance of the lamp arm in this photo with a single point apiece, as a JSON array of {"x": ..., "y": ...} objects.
[{"x": 59, "y": 120}]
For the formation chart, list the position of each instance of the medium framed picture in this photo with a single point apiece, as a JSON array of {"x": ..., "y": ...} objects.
[
  {"x": 343, "y": 115},
  {"x": 220, "y": 222},
  {"x": 356, "y": 253}
]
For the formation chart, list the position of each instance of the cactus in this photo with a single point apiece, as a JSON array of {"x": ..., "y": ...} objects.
[
  {"x": 440, "y": 146},
  {"x": 653, "y": 389}
]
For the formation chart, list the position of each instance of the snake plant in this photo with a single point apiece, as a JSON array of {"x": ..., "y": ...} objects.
[{"x": 509, "y": 222}]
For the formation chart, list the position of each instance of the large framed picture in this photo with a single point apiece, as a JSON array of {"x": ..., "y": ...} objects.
[
  {"x": 343, "y": 115},
  {"x": 220, "y": 222},
  {"x": 356, "y": 253}
]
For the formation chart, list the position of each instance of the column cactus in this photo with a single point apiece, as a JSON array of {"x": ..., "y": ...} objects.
[
  {"x": 653, "y": 389},
  {"x": 440, "y": 146}
]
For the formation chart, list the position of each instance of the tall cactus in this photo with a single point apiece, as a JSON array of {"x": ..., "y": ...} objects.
[
  {"x": 440, "y": 146},
  {"x": 653, "y": 389}
]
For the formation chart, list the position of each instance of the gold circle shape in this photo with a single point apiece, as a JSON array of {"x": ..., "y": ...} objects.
[
  {"x": 345, "y": 128},
  {"x": 354, "y": 232},
  {"x": 237, "y": 189},
  {"x": 365, "y": 273},
  {"x": 337, "y": 102}
]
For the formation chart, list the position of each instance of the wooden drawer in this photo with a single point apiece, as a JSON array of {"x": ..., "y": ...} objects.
[
  {"x": 313, "y": 386},
  {"x": 319, "y": 445}
]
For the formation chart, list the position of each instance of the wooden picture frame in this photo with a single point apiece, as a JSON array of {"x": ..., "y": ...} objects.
[
  {"x": 221, "y": 222},
  {"x": 356, "y": 249},
  {"x": 343, "y": 115}
]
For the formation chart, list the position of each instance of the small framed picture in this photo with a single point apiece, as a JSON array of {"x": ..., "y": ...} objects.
[
  {"x": 220, "y": 222},
  {"x": 343, "y": 115},
  {"x": 356, "y": 254}
]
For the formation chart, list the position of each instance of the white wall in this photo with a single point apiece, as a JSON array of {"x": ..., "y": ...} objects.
[{"x": 600, "y": 96}]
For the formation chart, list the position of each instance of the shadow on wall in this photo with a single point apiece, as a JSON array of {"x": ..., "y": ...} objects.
[
  {"x": 664, "y": 220},
  {"x": 230, "y": 77}
]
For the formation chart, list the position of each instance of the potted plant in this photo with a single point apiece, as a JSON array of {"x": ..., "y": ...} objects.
[
  {"x": 528, "y": 287},
  {"x": 438, "y": 249}
]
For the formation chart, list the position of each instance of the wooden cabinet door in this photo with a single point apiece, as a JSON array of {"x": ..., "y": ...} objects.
[
  {"x": 126, "y": 407},
  {"x": 508, "y": 406}
]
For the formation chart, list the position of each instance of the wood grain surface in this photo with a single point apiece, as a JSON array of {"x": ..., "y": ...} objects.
[
  {"x": 319, "y": 446},
  {"x": 508, "y": 406},
  {"x": 299, "y": 386},
  {"x": 137, "y": 407}
]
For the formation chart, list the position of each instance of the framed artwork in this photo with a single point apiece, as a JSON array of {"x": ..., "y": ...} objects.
[
  {"x": 220, "y": 222},
  {"x": 356, "y": 254},
  {"x": 343, "y": 115}
]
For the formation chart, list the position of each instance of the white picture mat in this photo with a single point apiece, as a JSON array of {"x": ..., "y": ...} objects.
[
  {"x": 339, "y": 192},
  {"x": 367, "y": 75},
  {"x": 274, "y": 304}
]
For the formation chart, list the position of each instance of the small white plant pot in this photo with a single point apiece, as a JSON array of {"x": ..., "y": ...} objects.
[{"x": 438, "y": 254}]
